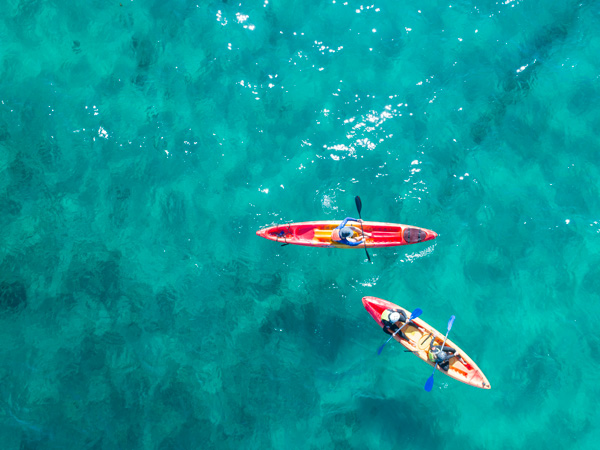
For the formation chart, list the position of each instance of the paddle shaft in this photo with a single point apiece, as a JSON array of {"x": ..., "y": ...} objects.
[
  {"x": 396, "y": 332},
  {"x": 429, "y": 382},
  {"x": 443, "y": 343},
  {"x": 449, "y": 326},
  {"x": 359, "y": 208},
  {"x": 413, "y": 315}
]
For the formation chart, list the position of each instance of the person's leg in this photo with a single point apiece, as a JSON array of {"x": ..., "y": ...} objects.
[{"x": 403, "y": 336}]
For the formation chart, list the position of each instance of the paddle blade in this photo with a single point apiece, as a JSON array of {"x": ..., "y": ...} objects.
[
  {"x": 416, "y": 313},
  {"x": 429, "y": 383},
  {"x": 450, "y": 322},
  {"x": 358, "y": 204},
  {"x": 384, "y": 344}
]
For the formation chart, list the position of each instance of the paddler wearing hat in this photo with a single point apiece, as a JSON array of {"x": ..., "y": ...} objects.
[{"x": 347, "y": 235}]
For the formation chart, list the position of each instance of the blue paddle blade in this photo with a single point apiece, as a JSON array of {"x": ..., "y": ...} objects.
[
  {"x": 416, "y": 313},
  {"x": 450, "y": 322},
  {"x": 429, "y": 383},
  {"x": 384, "y": 344}
]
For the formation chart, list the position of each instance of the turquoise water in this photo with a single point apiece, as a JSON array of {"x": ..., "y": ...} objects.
[{"x": 142, "y": 144}]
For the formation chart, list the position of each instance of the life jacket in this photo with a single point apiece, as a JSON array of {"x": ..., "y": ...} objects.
[
  {"x": 385, "y": 318},
  {"x": 439, "y": 356},
  {"x": 431, "y": 356},
  {"x": 385, "y": 315}
]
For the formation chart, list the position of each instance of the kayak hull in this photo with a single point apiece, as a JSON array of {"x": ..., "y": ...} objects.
[
  {"x": 461, "y": 368},
  {"x": 318, "y": 234}
]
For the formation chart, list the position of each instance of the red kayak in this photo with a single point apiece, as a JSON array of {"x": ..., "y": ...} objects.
[
  {"x": 420, "y": 334},
  {"x": 318, "y": 234}
]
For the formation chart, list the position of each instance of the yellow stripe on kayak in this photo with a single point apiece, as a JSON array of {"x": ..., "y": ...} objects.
[{"x": 322, "y": 235}]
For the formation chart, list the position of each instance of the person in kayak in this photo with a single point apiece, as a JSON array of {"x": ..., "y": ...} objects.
[
  {"x": 441, "y": 356},
  {"x": 343, "y": 234},
  {"x": 392, "y": 320}
]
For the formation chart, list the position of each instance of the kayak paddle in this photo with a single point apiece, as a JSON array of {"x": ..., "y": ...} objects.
[
  {"x": 416, "y": 313},
  {"x": 429, "y": 382},
  {"x": 359, "y": 208}
]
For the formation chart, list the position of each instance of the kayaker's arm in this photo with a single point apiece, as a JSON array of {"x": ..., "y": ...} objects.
[
  {"x": 392, "y": 332},
  {"x": 345, "y": 221},
  {"x": 449, "y": 353},
  {"x": 388, "y": 330},
  {"x": 431, "y": 341},
  {"x": 359, "y": 231},
  {"x": 352, "y": 244}
]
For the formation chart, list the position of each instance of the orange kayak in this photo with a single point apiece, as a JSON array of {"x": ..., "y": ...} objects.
[
  {"x": 461, "y": 368},
  {"x": 318, "y": 234}
]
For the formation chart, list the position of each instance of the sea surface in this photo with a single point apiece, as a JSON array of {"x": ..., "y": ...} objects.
[{"x": 143, "y": 144}]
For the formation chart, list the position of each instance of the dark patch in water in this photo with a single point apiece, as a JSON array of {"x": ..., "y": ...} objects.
[
  {"x": 118, "y": 197},
  {"x": 591, "y": 281},
  {"x": 482, "y": 272},
  {"x": 32, "y": 441},
  {"x": 4, "y": 134},
  {"x": 195, "y": 430},
  {"x": 21, "y": 173},
  {"x": 93, "y": 355},
  {"x": 173, "y": 209},
  {"x": 165, "y": 303},
  {"x": 515, "y": 85},
  {"x": 9, "y": 207},
  {"x": 144, "y": 52},
  {"x": 583, "y": 99},
  {"x": 97, "y": 274},
  {"x": 536, "y": 374},
  {"x": 318, "y": 330},
  {"x": 383, "y": 414},
  {"x": 49, "y": 152},
  {"x": 12, "y": 295}
]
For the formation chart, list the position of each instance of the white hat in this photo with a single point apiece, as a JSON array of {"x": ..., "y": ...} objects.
[{"x": 394, "y": 317}]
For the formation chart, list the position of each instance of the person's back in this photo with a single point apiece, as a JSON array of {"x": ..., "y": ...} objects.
[
  {"x": 441, "y": 356},
  {"x": 343, "y": 234},
  {"x": 393, "y": 320}
]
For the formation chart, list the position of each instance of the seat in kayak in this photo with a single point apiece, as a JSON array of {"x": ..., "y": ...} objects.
[
  {"x": 412, "y": 333},
  {"x": 322, "y": 235}
]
